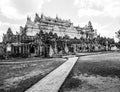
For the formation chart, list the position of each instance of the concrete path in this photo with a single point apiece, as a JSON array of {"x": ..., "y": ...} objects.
[{"x": 53, "y": 81}]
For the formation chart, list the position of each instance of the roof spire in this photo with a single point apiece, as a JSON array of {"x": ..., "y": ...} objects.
[
  {"x": 56, "y": 16},
  {"x": 28, "y": 18},
  {"x": 42, "y": 15},
  {"x": 37, "y": 18}
]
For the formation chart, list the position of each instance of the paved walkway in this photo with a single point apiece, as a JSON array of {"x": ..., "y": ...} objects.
[{"x": 53, "y": 81}]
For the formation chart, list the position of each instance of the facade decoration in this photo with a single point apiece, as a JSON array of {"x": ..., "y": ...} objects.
[{"x": 46, "y": 37}]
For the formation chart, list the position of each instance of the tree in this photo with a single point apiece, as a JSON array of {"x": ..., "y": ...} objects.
[
  {"x": 51, "y": 35},
  {"x": 87, "y": 35},
  {"x": 111, "y": 43},
  {"x": 118, "y": 34},
  {"x": 66, "y": 37},
  {"x": 117, "y": 44},
  {"x": 75, "y": 38},
  {"x": 40, "y": 35},
  {"x": 55, "y": 36}
]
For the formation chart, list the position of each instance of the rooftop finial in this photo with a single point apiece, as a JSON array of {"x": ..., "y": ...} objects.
[
  {"x": 56, "y": 16},
  {"x": 42, "y": 15},
  {"x": 28, "y": 18},
  {"x": 37, "y": 18}
]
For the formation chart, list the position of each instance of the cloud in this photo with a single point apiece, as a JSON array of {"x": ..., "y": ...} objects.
[
  {"x": 103, "y": 13},
  {"x": 19, "y": 9},
  {"x": 88, "y": 12},
  {"x": 9, "y": 11},
  {"x": 103, "y": 30},
  {"x": 100, "y": 7}
]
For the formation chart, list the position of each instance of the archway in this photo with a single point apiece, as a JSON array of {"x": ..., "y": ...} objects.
[{"x": 32, "y": 50}]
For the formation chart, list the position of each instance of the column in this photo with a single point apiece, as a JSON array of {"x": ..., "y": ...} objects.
[
  {"x": 14, "y": 50},
  {"x": 40, "y": 50},
  {"x": 74, "y": 48},
  {"x": 23, "y": 49},
  {"x": 66, "y": 48},
  {"x": 28, "y": 49},
  {"x": 35, "y": 50},
  {"x": 20, "y": 49},
  {"x": 51, "y": 51},
  {"x": 56, "y": 48}
]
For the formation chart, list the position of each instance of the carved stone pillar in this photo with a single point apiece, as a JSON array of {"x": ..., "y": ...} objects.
[
  {"x": 13, "y": 49},
  {"x": 23, "y": 49},
  {"x": 20, "y": 49},
  {"x": 28, "y": 50},
  {"x": 55, "y": 49},
  {"x": 51, "y": 51},
  {"x": 40, "y": 50},
  {"x": 74, "y": 48},
  {"x": 66, "y": 48},
  {"x": 16, "y": 49}
]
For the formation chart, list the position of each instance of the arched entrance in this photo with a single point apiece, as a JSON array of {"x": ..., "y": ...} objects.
[{"x": 32, "y": 50}]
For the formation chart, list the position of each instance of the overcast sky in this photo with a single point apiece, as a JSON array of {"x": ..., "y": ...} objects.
[{"x": 104, "y": 14}]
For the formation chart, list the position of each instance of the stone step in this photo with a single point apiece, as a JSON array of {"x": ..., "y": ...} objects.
[{"x": 53, "y": 81}]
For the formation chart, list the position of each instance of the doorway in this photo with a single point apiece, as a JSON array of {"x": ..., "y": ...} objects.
[{"x": 32, "y": 50}]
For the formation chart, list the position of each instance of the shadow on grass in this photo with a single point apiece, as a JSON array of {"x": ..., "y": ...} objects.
[
  {"x": 106, "y": 68},
  {"x": 70, "y": 82},
  {"x": 24, "y": 85},
  {"x": 99, "y": 68}
]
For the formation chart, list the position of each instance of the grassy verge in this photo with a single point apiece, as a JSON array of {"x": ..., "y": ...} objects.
[
  {"x": 70, "y": 82},
  {"x": 94, "y": 73},
  {"x": 18, "y": 77}
]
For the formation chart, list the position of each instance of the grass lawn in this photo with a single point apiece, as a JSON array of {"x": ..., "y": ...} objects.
[
  {"x": 95, "y": 73},
  {"x": 17, "y": 77}
]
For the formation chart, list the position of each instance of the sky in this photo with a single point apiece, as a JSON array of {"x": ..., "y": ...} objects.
[{"x": 104, "y": 14}]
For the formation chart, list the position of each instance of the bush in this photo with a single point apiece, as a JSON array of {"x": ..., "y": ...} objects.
[
  {"x": 25, "y": 55},
  {"x": 2, "y": 57}
]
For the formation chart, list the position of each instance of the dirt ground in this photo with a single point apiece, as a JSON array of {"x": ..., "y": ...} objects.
[
  {"x": 94, "y": 73},
  {"x": 17, "y": 77}
]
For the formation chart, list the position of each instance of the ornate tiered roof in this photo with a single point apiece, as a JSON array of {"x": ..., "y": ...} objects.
[{"x": 53, "y": 21}]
